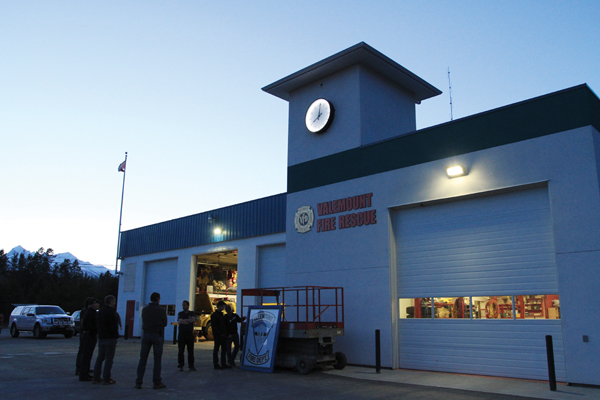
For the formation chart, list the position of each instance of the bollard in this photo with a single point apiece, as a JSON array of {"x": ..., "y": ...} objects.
[
  {"x": 126, "y": 331},
  {"x": 377, "y": 351},
  {"x": 550, "y": 356}
]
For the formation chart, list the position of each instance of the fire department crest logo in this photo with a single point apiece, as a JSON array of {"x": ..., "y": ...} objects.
[
  {"x": 261, "y": 325},
  {"x": 304, "y": 219}
]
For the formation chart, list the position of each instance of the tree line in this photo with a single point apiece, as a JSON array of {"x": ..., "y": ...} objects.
[{"x": 37, "y": 279}]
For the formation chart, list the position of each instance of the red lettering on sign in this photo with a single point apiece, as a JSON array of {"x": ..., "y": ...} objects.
[
  {"x": 357, "y": 219},
  {"x": 326, "y": 224},
  {"x": 320, "y": 208},
  {"x": 345, "y": 204},
  {"x": 368, "y": 196},
  {"x": 350, "y": 220},
  {"x": 373, "y": 214}
]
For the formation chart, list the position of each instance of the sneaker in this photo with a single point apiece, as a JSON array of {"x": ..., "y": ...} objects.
[
  {"x": 226, "y": 367},
  {"x": 109, "y": 382},
  {"x": 85, "y": 378},
  {"x": 232, "y": 364},
  {"x": 138, "y": 385},
  {"x": 96, "y": 381},
  {"x": 192, "y": 368},
  {"x": 180, "y": 368},
  {"x": 218, "y": 367},
  {"x": 159, "y": 386}
]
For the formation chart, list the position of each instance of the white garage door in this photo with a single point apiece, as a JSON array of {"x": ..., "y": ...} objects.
[
  {"x": 486, "y": 246},
  {"x": 271, "y": 266},
  {"x": 161, "y": 277}
]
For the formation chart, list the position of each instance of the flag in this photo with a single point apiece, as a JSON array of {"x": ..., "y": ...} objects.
[{"x": 122, "y": 166}]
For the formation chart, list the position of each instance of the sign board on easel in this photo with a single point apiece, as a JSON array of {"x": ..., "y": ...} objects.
[{"x": 260, "y": 339}]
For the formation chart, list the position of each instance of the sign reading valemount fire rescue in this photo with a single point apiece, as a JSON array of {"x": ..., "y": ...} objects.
[{"x": 304, "y": 218}]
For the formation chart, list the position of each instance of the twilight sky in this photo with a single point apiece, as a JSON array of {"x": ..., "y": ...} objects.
[{"x": 177, "y": 84}]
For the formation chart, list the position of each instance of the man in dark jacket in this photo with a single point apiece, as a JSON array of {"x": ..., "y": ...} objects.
[
  {"x": 219, "y": 329},
  {"x": 89, "y": 331},
  {"x": 80, "y": 350},
  {"x": 232, "y": 320},
  {"x": 108, "y": 333},
  {"x": 154, "y": 320},
  {"x": 186, "y": 319}
]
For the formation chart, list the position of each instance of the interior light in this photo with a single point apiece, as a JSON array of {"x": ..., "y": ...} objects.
[
  {"x": 455, "y": 171},
  {"x": 217, "y": 231}
]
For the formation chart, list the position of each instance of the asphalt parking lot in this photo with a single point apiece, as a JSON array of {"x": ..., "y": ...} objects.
[{"x": 45, "y": 369}]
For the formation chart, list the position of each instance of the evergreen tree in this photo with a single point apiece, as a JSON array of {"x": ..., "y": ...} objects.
[{"x": 37, "y": 279}]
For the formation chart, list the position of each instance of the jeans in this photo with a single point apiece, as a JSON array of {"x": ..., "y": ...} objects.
[
  {"x": 79, "y": 354},
  {"x": 186, "y": 339},
  {"x": 106, "y": 353},
  {"x": 235, "y": 340},
  {"x": 149, "y": 340},
  {"x": 89, "y": 344},
  {"x": 220, "y": 343}
]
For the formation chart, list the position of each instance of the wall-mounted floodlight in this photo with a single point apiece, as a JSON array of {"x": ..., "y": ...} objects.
[
  {"x": 217, "y": 231},
  {"x": 211, "y": 219},
  {"x": 455, "y": 171}
]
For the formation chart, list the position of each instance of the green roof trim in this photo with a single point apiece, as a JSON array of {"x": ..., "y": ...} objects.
[{"x": 571, "y": 108}]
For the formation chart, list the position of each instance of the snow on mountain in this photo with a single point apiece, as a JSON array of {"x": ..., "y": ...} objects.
[{"x": 86, "y": 267}]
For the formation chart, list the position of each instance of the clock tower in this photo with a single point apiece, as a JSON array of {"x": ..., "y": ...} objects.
[{"x": 351, "y": 99}]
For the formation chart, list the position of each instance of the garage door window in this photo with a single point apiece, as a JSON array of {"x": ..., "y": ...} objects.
[
  {"x": 452, "y": 307},
  {"x": 505, "y": 307},
  {"x": 415, "y": 308},
  {"x": 493, "y": 307}
]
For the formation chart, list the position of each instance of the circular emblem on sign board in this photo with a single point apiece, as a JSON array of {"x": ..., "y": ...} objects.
[{"x": 304, "y": 219}]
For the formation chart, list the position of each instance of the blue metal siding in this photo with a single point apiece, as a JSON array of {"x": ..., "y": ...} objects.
[{"x": 254, "y": 218}]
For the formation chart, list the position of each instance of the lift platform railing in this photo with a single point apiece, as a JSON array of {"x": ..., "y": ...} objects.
[{"x": 304, "y": 307}]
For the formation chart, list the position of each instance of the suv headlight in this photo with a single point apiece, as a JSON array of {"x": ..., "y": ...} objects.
[{"x": 46, "y": 320}]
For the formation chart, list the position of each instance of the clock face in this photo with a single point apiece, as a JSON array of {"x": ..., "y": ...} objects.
[{"x": 319, "y": 116}]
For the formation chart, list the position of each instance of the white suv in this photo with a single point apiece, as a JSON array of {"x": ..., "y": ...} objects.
[{"x": 41, "y": 320}]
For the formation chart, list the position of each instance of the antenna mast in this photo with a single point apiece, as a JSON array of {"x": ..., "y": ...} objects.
[{"x": 450, "y": 92}]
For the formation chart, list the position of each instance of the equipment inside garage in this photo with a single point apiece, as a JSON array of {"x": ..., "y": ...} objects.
[{"x": 216, "y": 279}]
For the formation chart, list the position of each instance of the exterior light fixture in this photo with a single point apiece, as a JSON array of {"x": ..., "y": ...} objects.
[
  {"x": 211, "y": 219},
  {"x": 455, "y": 171},
  {"x": 217, "y": 231}
]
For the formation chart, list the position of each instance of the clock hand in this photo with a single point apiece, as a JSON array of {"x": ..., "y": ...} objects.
[{"x": 320, "y": 113}]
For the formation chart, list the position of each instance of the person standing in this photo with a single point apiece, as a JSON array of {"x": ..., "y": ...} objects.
[
  {"x": 108, "y": 333},
  {"x": 89, "y": 330},
  {"x": 219, "y": 329},
  {"x": 186, "y": 319},
  {"x": 154, "y": 320},
  {"x": 80, "y": 350},
  {"x": 231, "y": 321}
]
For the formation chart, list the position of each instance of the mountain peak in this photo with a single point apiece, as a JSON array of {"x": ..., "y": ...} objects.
[{"x": 86, "y": 267}]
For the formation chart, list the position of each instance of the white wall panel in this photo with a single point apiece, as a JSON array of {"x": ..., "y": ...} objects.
[{"x": 271, "y": 266}]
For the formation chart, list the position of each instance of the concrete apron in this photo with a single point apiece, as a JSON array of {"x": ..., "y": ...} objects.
[{"x": 486, "y": 384}]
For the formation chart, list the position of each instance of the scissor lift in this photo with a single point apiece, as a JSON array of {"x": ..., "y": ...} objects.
[{"x": 312, "y": 317}]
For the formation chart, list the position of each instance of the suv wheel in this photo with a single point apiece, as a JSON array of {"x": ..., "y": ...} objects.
[
  {"x": 37, "y": 332},
  {"x": 14, "y": 331},
  {"x": 69, "y": 334}
]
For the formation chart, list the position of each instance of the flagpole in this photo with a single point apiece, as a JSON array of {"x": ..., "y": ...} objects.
[{"x": 124, "y": 164}]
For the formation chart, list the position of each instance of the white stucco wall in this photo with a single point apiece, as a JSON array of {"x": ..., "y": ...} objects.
[
  {"x": 185, "y": 285},
  {"x": 359, "y": 258}
]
